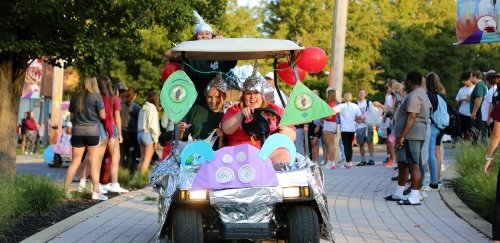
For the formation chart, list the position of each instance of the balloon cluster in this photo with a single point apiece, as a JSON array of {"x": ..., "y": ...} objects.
[{"x": 309, "y": 60}]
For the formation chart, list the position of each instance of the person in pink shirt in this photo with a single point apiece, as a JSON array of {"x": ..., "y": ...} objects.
[{"x": 253, "y": 98}]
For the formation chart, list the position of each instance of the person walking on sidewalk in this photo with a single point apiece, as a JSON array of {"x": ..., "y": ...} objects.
[
  {"x": 87, "y": 110},
  {"x": 364, "y": 132},
  {"x": 349, "y": 114},
  {"x": 463, "y": 99},
  {"x": 410, "y": 129},
  {"x": 31, "y": 133}
]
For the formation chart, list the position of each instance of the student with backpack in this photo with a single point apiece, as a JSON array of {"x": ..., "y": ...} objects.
[{"x": 440, "y": 119}]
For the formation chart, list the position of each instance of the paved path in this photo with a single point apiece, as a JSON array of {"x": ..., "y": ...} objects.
[{"x": 358, "y": 214}]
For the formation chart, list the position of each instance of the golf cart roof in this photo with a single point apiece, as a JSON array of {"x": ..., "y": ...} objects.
[{"x": 236, "y": 49}]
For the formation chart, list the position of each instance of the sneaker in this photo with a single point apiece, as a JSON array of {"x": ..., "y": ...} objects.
[
  {"x": 431, "y": 187},
  {"x": 101, "y": 189},
  {"x": 81, "y": 188},
  {"x": 347, "y": 165},
  {"x": 394, "y": 178},
  {"x": 362, "y": 163},
  {"x": 371, "y": 162},
  {"x": 442, "y": 168},
  {"x": 333, "y": 167},
  {"x": 386, "y": 159},
  {"x": 99, "y": 196},
  {"x": 26, "y": 153},
  {"x": 407, "y": 191},
  {"x": 389, "y": 163},
  {"x": 31, "y": 153},
  {"x": 107, "y": 187},
  {"x": 116, "y": 188}
]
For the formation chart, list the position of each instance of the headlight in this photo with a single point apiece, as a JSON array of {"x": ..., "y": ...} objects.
[
  {"x": 295, "y": 192},
  {"x": 193, "y": 195}
]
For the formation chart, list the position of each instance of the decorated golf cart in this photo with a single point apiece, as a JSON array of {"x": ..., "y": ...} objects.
[{"x": 237, "y": 193}]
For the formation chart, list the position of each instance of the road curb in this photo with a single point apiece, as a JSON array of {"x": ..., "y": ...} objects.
[
  {"x": 62, "y": 226},
  {"x": 459, "y": 208}
]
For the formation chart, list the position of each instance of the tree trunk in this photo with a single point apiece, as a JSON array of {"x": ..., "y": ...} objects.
[{"x": 11, "y": 80}]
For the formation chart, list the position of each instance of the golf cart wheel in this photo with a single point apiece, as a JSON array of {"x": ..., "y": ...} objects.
[
  {"x": 303, "y": 225},
  {"x": 57, "y": 161},
  {"x": 186, "y": 226}
]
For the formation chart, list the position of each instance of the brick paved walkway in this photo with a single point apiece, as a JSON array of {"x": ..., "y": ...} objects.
[{"x": 358, "y": 213}]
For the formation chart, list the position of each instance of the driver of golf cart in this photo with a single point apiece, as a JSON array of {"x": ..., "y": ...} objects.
[{"x": 252, "y": 100}]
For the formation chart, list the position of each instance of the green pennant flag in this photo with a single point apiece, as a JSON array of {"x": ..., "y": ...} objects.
[
  {"x": 304, "y": 106},
  {"x": 177, "y": 95}
]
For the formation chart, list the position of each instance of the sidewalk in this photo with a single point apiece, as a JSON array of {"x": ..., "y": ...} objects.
[{"x": 355, "y": 196}]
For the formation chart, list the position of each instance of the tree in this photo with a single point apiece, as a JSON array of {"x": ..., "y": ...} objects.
[{"x": 94, "y": 36}]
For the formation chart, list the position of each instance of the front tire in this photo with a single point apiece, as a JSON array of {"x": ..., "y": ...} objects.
[
  {"x": 57, "y": 162},
  {"x": 186, "y": 226},
  {"x": 303, "y": 225}
]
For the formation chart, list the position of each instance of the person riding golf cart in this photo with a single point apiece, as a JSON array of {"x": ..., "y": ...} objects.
[{"x": 237, "y": 193}]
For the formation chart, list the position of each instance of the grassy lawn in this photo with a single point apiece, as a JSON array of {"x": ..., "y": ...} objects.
[
  {"x": 19, "y": 152},
  {"x": 476, "y": 189}
]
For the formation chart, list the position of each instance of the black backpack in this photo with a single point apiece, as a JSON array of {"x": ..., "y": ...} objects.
[{"x": 453, "y": 129}]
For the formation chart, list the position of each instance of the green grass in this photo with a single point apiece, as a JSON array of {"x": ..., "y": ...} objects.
[
  {"x": 152, "y": 199},
  {"x": 26, "y": 195},
  {"x": 472, "y": 185},
  {"x": 41, "y": 150},
  {"x": 139, "y": 181},
  {"x": 124, "y": 176}
]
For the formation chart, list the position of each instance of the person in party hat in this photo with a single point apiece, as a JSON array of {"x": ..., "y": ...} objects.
[{"x": 202, "y": 71}]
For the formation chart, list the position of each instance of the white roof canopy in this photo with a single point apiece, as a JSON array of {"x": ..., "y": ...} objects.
[{"x": 235, "y": 49}]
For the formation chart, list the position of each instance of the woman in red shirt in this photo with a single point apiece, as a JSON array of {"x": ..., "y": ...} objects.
[
  {"x": 31, "y": 133},
  {"x": 330, "y": 129},
  {"x": 253, "y": 98}
]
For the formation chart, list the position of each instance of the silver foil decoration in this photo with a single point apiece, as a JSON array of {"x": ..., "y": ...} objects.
[
  {"x": 217, "y": 83},
  {"x": 247, "y": 205}
]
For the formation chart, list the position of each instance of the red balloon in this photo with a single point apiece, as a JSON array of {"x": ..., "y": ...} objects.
[
  {"x": 285, "y": 73},
  {"x": 169, "y": 69},
  {"x": 312, "y": 59}
]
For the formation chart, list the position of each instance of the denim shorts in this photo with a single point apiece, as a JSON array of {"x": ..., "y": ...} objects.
[
  {"x": 364, "y": 134},
  {"x": 115, "y": 131},
  {"x": 410, "y": 152},
  {"x": 102, "y": 132},
  {"x": 145, "y": 138}
]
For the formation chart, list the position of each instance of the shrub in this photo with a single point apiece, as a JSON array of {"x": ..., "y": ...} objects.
[
  {"x": 124, "y": 176},
  {"x": 139, "y": 181},
  {"x": 472, "y": 185},
  {"x": 24, "y": 195}
]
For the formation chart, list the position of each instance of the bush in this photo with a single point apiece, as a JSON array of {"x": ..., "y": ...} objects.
[
  {"x": 139, "y": 181},
  {"x": 472, "y": 185},
  {"x": 26, "y": 195},
  {"x": 124, "y": 176}
]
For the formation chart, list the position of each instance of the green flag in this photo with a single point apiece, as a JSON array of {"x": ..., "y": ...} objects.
[
  {"x": 177, "y": 95},
  {"x": 304, "y": 106}
]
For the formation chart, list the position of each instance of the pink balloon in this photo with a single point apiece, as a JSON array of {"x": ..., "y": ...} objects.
[
  {"x": 312, "y": 59},
  {"x": 285, "y": 73},
  {"x": 169, "y": 69}
]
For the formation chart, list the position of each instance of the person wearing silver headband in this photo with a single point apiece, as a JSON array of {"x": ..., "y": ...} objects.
[
  {"x": 254, "y": 89},
  {"x": 202, "y": 120}
]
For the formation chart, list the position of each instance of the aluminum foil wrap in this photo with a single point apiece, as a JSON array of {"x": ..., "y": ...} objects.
[
  {"x": 315, "y": 181},
  {"x": 164, "y": 179},
  {"x": 246, "y": 205}
]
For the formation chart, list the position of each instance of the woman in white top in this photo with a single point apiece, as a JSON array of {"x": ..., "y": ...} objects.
[
  {"x": 349, "y": 114},
  {"x": 148, "y": 128}
]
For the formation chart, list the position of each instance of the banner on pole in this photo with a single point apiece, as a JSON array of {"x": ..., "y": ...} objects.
[{"x": 478, "y": 21}]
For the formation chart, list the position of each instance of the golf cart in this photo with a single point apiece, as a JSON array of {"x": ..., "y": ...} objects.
[{"x": 236, "y": 193}]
